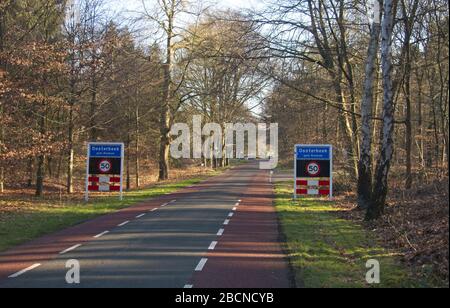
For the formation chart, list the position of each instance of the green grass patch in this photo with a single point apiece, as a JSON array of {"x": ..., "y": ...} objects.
[
  {"x": 329, "y": 252},
  {"x": 34, "y": 218}
]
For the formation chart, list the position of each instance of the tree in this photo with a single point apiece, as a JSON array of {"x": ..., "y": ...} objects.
[
  {"x": 224, "y": 78},
  {"x": 365, "y": 162},
  {"x": 378, "y": 202}
]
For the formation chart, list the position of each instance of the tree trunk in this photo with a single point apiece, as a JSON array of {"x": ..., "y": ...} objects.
[
  {"x": 165, "y": 116},
  {"x": 128, "y": 180},
  {"x": 93, "y": 110},
  {"x": 30, "y": 172},
  {"x": 40, "y": 173},
  {"x": 70, "y": 154},
  {"x": 346, "y": 130},
  {"x": 138, "y": 180},
  {"x": 40, "y": 176},
  {"x": 2, "y": 132},
  {"x": 409, "y": 24},
  {"x": 128, "y": 153},
  {"x": 365, "y": 162},
  {"x": 50, "y": 166},
  {"x": 408, "y": 124},
  {"x": 376, "y": 208},
  {"x": 420, "y": 120}
]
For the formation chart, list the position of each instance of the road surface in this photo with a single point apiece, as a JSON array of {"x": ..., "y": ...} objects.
[{"x": 222, "y": 233}]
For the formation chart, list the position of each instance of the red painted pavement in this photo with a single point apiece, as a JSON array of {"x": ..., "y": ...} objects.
[{"x": 249, "y": 254}]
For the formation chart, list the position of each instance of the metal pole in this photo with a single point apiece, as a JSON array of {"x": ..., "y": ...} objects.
[
  {"x": 295, "y": 173},
  {"x": 121, "y": 170},
  {"x": 86, "y": 197},
  {"x": 331, "y": 173}
]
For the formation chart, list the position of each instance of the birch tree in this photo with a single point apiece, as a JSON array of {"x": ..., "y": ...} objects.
[
  {"x": 378, "y": 202},
  {"x": 365, "y": 162}
]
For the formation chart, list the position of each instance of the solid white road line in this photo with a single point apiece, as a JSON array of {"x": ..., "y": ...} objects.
[
  {"x": 124, "y": 223},
  {"x": 220, "y": 233},
  {"x": 226, "y": 222},
  {"x": 140, "y": 216},
  {"x": 188, "y": 286},
  {"x": 154, "y": 210},
  {"x": 101, "y": 234},
  {"x": 70, "y": 249},
  {"x": 165, "y": 204},
  {"x": 201, "y": 265},
  {"x": 231, "y": 215},
  {"x": 213, "y": 245},
  {"x": 32, "y": 267}
]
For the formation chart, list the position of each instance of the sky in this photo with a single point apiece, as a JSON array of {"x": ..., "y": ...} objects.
[
  {"x": 120, "y": 5},
  {"x": 124, "y": 8}
]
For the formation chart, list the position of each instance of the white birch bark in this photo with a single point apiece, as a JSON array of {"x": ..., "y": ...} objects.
[
  {"x": 377, "y": 205},
  {"x": 365, "y": 162}
]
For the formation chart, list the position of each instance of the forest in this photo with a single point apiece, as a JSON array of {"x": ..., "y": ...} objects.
[{"x": 369, "y": 77}]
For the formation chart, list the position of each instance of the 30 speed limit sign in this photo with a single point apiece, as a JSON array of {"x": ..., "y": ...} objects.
[{"x": 313, "y": 169}]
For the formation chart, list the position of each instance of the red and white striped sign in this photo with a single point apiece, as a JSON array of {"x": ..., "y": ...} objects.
[
  {"x": 103, "y": 184},
  {"x": 308, "y": 187}
]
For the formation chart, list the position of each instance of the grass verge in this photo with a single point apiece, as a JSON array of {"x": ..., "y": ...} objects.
[
  {"x": 31, "y": 219},
  {"x": 329, "y": 252}
]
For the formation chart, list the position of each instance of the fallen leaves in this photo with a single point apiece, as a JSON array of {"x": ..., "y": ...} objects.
[{"x": 416, "y": 224}]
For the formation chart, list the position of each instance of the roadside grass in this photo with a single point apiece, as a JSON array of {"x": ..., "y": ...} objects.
[
  {"x": 329, "y": 252},
  {"x": 33, "y": 218}
]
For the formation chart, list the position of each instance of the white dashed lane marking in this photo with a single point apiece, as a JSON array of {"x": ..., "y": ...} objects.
[
  {"x": 201, "y": 265},
  {"x": 101, "y": 234},
  {"x": 213, "y": 245},
  {"x": 220, "y": 233},
  {"x": 32, "y": 267},
  {"x": 123, "y": 224},
  {"x": 70, "y": 249}
]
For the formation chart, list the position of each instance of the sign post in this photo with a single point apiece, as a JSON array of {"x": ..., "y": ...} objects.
[
  {"x": 313, "y": 172},
  {"x": 104, "y": 168}
]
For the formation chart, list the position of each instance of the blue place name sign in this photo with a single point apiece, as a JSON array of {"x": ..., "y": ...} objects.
[
  {"x": 313, "y": 152},
  {"x": 105, "y": 150}
]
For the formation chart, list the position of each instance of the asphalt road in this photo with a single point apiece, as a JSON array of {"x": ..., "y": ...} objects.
[{"x": 221, "y": 233}]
